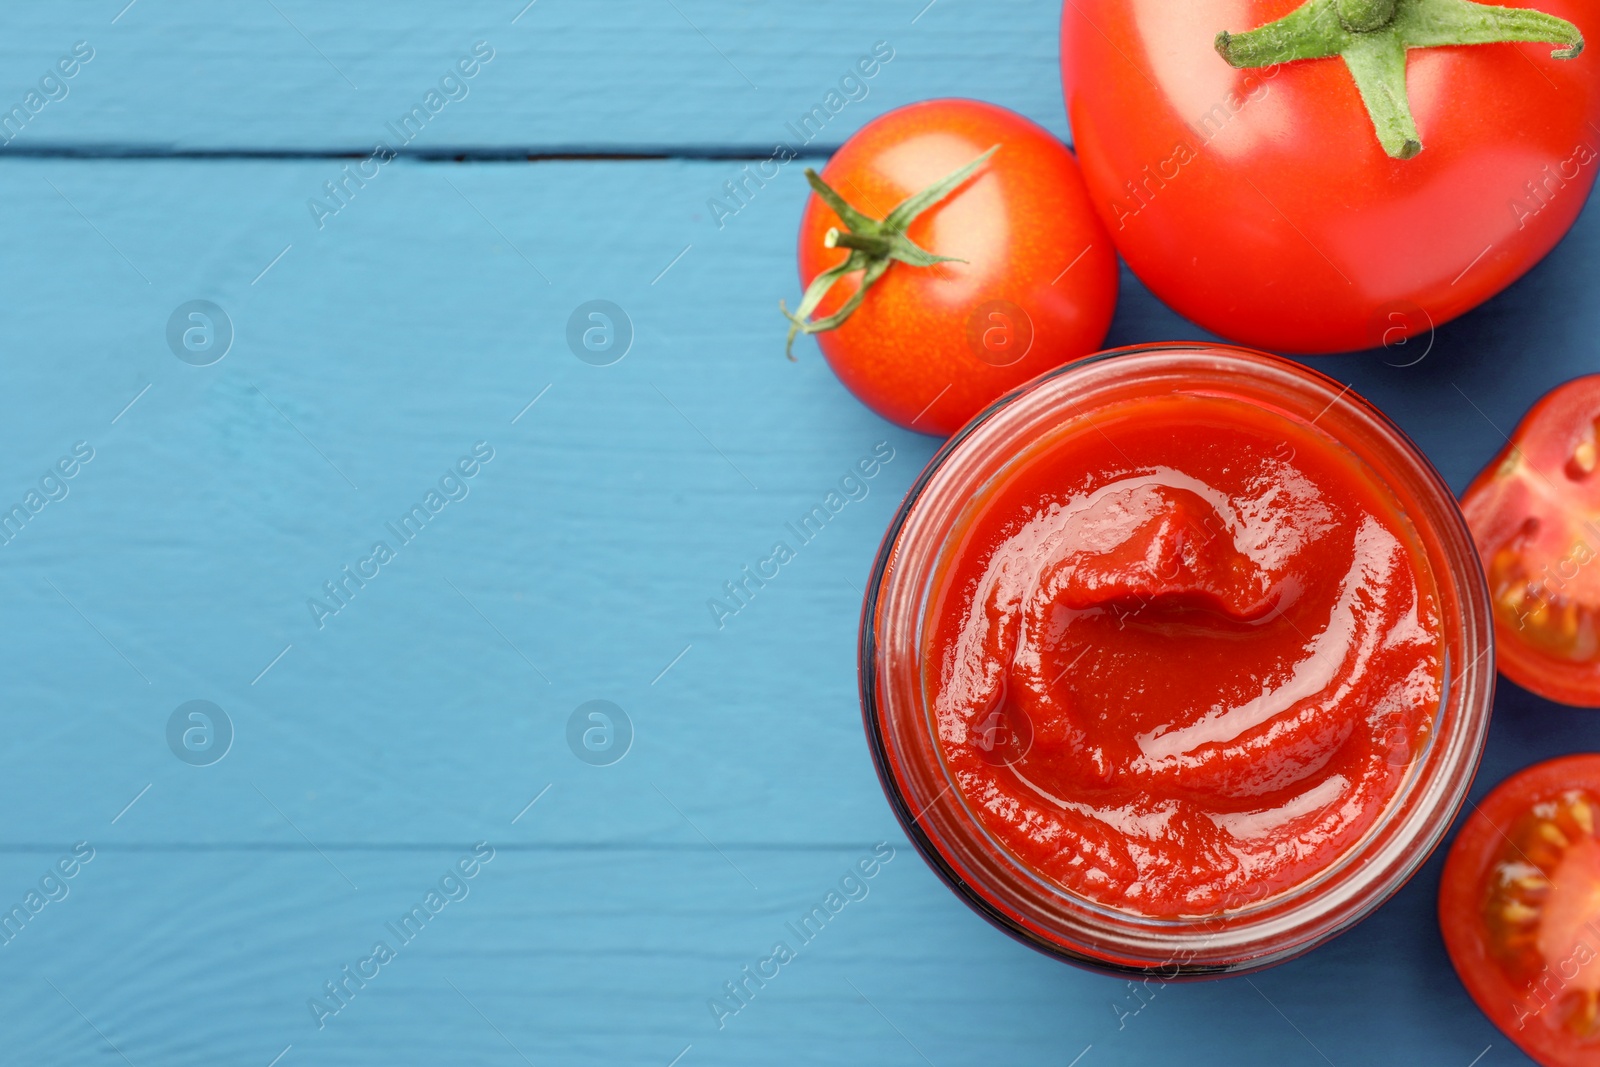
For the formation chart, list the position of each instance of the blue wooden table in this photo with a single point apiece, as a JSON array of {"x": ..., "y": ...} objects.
[{"x": 264, "y": 348}]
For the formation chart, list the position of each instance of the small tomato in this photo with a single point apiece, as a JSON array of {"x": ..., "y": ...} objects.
[{"x": 950, "y": 275}]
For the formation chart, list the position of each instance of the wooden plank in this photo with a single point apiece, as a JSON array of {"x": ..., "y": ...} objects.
[
  {"x": 380, "y": 350},
  {"x": 602, "y": 958},
  {"x": 373, "y": 355},
  {"x": 367, "y": 359},
  {"x": 639, "y": 75}
]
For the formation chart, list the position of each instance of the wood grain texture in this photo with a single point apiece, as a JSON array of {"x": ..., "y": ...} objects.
[
  {"x": 421, "y": 319},
  {"x": 567, "y": 75},
  {"x": 610, "y": 957}
]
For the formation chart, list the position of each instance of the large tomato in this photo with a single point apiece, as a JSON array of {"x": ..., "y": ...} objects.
[
  {"x": 1260, "y": 202},
  {"x": 931, "y": 346},
  {"x": 1518, "y": 906},
  {"x": 1534, "y": 513}
]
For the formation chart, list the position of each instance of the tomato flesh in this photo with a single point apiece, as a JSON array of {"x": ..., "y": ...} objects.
[
  {"x": 1535, "y": 516},
  {"x": 1520, "y": 909}
]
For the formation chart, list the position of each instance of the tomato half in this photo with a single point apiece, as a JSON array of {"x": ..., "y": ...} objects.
[
  {"x": 1519, "y": 907},
  {"x": 1533, "y": 514},
  {"x": 929, "y": 347},
  {"x": 1261, "y": 204}
]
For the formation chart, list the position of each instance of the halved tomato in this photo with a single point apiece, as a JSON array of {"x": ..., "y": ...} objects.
[
  {"x": 1535, "y": 515},
  {"x": 1520, "y": 909}
]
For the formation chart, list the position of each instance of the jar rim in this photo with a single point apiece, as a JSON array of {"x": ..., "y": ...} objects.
[{"x": 1053, "y": 919}]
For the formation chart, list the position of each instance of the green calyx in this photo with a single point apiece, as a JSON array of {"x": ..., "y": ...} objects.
[
  {"x": 1372, "y": 37},
  {"x": 875, "y": 245}
]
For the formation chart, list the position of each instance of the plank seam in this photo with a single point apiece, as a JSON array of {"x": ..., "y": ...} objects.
[
  {"x": 445, "y": 154},
  {"x": 23, "y": 848}
]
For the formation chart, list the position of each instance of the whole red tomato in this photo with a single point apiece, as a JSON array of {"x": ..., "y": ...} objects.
[
  {"x": 931, "y": 346},
  {"x": 1261, "y": 203},
  {"x": 1534, "y": 513},
  {"x": 1517, "y": 906}
]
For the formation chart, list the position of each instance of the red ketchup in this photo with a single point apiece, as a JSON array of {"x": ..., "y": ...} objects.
[{"x": 1181, "y": 654}]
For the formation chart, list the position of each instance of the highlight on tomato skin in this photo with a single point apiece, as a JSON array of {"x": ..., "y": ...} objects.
[
  {"x": 1535, "y": 517},
  {"x": 1519, "y": 908}
]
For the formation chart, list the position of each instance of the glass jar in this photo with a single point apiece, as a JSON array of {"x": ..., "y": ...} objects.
[{"x": 895, "y": 678}]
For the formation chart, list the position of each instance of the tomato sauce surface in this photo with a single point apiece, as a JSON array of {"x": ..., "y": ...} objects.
[{"x": 1182, "y": 653}]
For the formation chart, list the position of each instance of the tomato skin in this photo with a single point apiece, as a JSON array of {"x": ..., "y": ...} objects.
[
  {"x": 1534, "y": 481},
  {"x": 1259, "y": 203},
  {"x": 1021, "y": 222},
  {"x": 1461, "y": 897}
]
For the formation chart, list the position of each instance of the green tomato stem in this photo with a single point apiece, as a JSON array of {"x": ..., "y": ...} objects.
[
  {"x": 1373, "y": 36},
  {"x": 874, "y": 244},
  {"x": 869, "y": 243},
  {"x": 1363, "y": 16}
]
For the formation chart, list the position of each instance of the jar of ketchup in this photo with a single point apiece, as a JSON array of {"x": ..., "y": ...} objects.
[{"x": 1177, "y": 661}]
